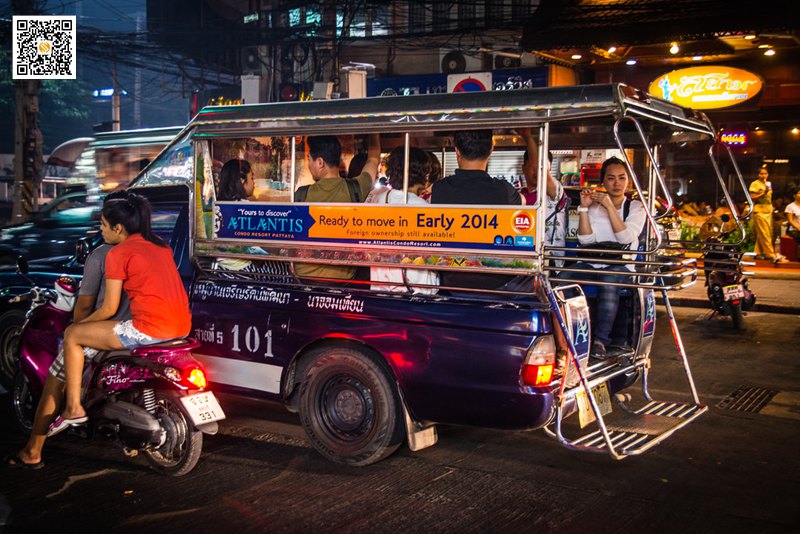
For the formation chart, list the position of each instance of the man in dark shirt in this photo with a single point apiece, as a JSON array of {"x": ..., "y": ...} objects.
[{"x": 471, "y": 184}]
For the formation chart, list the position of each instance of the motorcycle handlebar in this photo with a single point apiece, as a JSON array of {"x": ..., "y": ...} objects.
[
  {"x": 35, "y": 294},
  {"x": 20, "y": 298}
]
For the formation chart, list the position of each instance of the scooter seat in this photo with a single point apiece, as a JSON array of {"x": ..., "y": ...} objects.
[
  {"x": 106, "y": 354},
  {"x": 150, "y": 350},
  {"x": 186, "y": 343}
]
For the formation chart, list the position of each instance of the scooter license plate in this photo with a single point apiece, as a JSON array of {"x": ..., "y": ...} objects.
[
  {"x": 585, "y": 413},
  {"x": 733, "y": 292},
  {"x": 203, "y": 408}
]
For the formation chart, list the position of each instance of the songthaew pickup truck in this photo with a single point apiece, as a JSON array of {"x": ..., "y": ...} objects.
[{"x": 370, "y": 365}]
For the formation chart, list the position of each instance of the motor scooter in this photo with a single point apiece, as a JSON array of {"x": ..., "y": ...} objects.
[
  {"x": 726, "y": 285},
  {"x": 152, "y": 399}
]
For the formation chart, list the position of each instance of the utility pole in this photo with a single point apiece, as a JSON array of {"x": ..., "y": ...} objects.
[
  {"x": 27, "y": 139},
  {"x": 27, "y": 150},
  {"x": 137, "y": 76},
  {"x": 115, "y": 123}
]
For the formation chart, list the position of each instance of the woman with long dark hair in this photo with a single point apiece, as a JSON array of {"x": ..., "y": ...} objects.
[
  {"x": 236, "y": 180},
  {"x": 606, "y": 216},
  {"x": 142, "y": 265},
  {"x": 419, "y": 168}
]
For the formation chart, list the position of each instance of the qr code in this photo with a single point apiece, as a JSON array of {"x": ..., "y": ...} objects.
[{"x": 43, "y": 47}]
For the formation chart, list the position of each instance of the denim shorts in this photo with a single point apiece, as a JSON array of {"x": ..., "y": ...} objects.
[
  {"x": 131, "y": 338},
  {"x": 127, "y": 334}
]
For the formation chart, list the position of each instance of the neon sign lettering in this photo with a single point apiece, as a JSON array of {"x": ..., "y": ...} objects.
[
  {"x": 707, "y": 87},
  {"x": 734, "y": 138}
]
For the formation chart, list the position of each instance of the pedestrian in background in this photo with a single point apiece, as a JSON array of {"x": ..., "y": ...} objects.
[
  {"x": 761, "y": 221},
  {"x": 793, "y": 214}
]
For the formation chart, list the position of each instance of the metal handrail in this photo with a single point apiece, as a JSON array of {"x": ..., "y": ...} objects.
[
  {"x": 737, "y": 219},
  {"x": 635, "y": 179}
]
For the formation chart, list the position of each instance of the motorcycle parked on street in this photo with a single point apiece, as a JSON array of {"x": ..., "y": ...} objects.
[
  {"x": 726, "y": 285},
  {"x": 152, "y": 399}
]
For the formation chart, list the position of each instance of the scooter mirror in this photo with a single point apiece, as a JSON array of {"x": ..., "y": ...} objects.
[
  {"x": 22, "y": 265},
  {"x": 82, "y": 249}
]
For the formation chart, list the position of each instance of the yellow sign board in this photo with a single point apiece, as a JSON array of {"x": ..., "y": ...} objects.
[{"x": 707, "y": 87}]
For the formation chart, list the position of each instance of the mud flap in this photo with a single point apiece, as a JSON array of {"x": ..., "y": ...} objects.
[
  {"x": 420, "y": 436},
  {"x": 209, "y": 428}
]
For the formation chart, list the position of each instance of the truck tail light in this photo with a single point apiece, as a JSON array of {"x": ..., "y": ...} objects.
[{"x": 537, "y": 370}]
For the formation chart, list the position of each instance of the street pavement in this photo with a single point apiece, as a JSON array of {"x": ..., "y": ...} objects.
[
  {"x": 733, "y": 470},
  {"x": 776, "y": 286}
]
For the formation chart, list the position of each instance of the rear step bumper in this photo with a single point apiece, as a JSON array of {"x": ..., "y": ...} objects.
[{"x": 634, "y": 432}]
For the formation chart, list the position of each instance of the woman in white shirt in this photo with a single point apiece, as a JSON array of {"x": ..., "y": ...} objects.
[
  {"x": 419, "y": 167},
  {"x": 793, "y": 214},
  {"x": 602, "y": 218}
]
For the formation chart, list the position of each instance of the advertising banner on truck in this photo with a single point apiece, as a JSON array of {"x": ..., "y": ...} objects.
[{"x": 412, "y": 226}]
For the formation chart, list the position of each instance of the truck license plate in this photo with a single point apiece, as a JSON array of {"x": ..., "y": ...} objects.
[
  {"x": 733, "y": 292},
  {"x": 585, "y": 413},
  {"x": 203, "y": 408}
]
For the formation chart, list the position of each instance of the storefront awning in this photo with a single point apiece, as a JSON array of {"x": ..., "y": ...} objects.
[{"x": 561, "y": 24}]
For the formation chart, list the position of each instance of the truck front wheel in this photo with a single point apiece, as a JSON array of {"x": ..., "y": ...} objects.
[{"x": 349, "y": 407}]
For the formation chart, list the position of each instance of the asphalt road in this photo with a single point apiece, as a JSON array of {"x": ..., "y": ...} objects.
[{"x": 728, "y": 472}]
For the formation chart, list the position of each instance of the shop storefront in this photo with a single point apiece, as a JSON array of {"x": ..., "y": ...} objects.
[{"x": 755, "y": 105}]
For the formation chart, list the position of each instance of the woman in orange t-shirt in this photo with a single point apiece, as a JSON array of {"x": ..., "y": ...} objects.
[{"x": 141, "y": 263}]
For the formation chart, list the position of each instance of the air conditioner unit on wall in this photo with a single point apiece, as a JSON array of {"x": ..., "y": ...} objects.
[
  {"x": 502, "y": 61},
  {"x": 253, "y": 59},
  {"x": 456, "y": 61}
]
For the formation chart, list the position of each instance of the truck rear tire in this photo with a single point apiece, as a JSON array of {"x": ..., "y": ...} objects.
[{"x": 349, "y": 407}]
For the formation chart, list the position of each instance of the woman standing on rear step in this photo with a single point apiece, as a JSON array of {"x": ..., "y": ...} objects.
[{"x": 607, "y": 216}]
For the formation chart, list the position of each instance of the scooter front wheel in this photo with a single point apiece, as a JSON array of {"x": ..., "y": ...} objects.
[
  {"x": 24, "y": 402},
  {"x": 183, "y": 443},
  {"x": 10, "y": 329}
]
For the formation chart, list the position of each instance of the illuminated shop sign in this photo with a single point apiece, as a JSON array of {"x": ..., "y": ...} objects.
[
  {"x": 107, "y": 92},
  {"x": 707, "y": 87},
  {"x": 223, "y": 101},
  {"x": 734, "y": 138}
]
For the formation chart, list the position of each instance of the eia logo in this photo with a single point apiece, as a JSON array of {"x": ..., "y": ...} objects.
[{"x": 522, "y": 222}]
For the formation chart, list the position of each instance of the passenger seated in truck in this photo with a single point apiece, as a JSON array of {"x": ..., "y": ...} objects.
[
  {"x": 324, "y": 157},
  {"x": 419, "y": 167},
  {"x": 471, "y": 184},
  {"x": 556, "y": 200},
  {"x": 434, "y": 176},
  {"x": 236, "y": 180},
  {"x": 236, "y": 184},
  {"x": 602, "y": 220}
]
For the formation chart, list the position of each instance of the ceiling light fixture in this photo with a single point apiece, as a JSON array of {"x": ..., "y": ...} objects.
[
  {"x": 631, "y": 62},
  {"x": 769, "y": 52},
  {"x": 763, "y": 46},
  {"x": 612, "y": 49},
  {"x": 697, "y": 58},
  {"x": 674, "y": 49},
  {"x": 750, "y": 37},
  {"x": 576, "y": 56},
  {"x": 795, "y": 131}
]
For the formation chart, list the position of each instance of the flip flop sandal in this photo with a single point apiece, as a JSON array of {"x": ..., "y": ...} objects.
[
  {"x": 13, "y": 461},
  {"x": 60, "y": 424}
]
